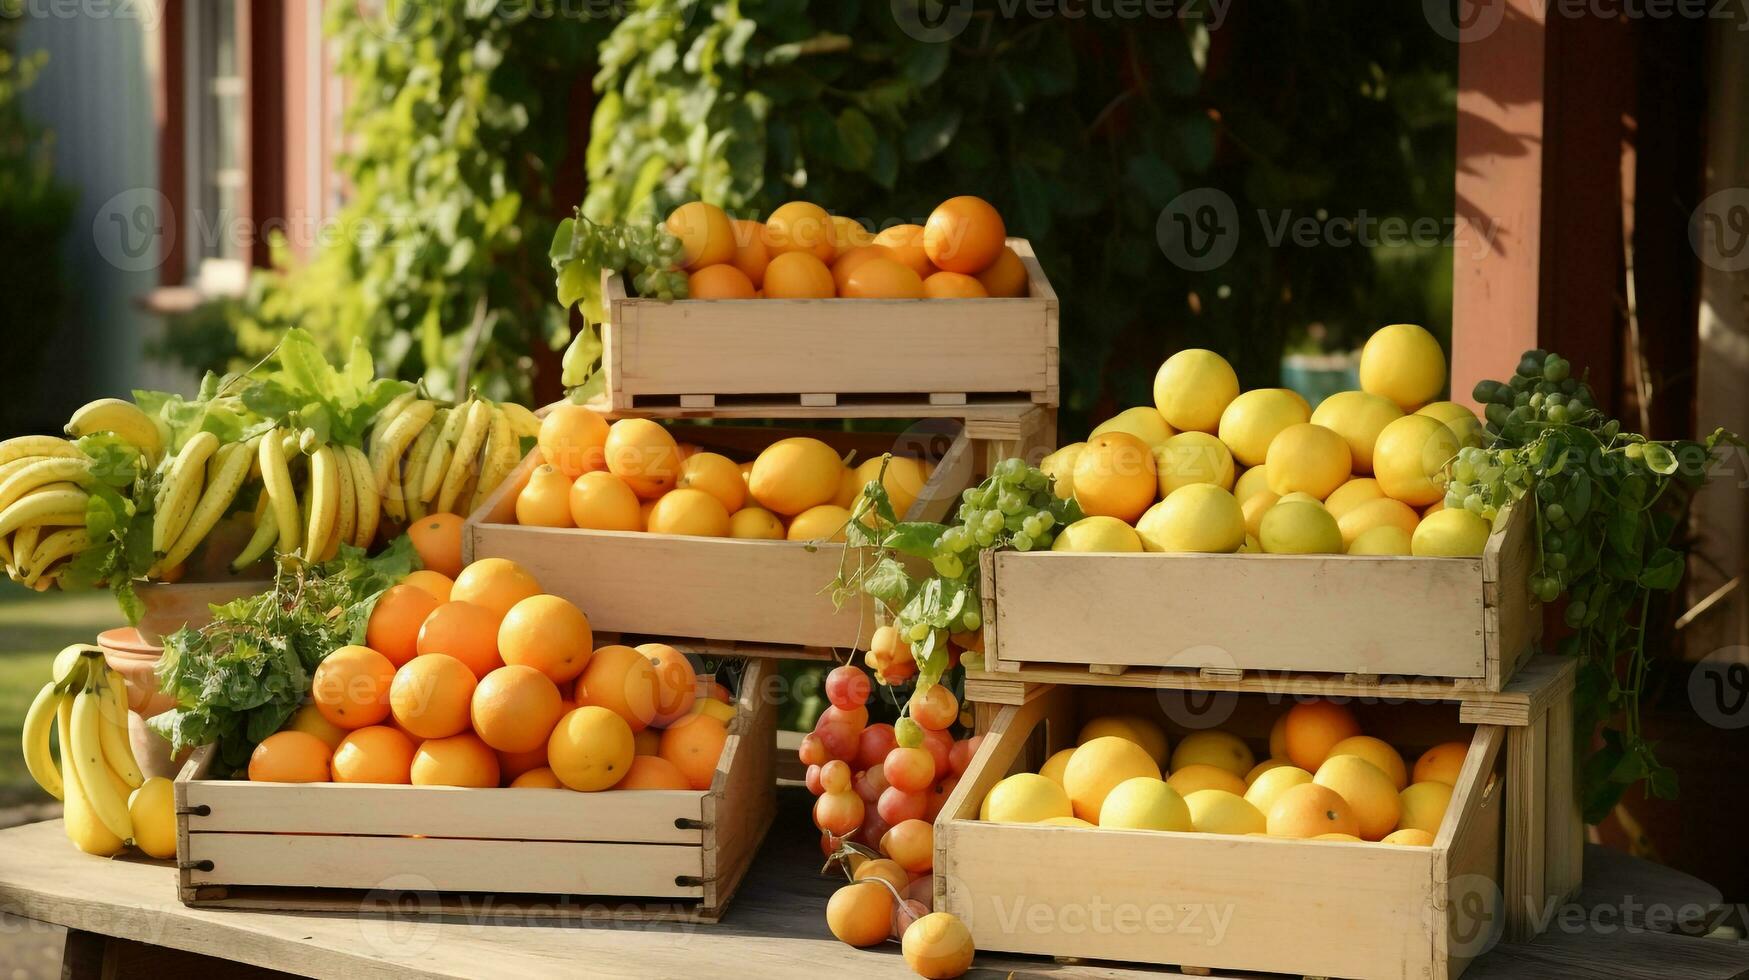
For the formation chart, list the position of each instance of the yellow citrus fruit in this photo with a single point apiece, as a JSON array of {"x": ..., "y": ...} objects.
[
  {"x": 1006, "y": 276},
  {"x": 847, "y": 233},
  {"x": 1376, "y": 751},
  {"x": 798, "y": 275},
  {"x": 1192, "y": 457},
  {"x": 1309, "y": 810},
  {"x": 1144, "y": 803},
  {"x": 1027, "y": 798},
  {"x": 1200, "y": 517},
  {"x": 309, "y": 719},
  {"x": 751, "y": 255},
  {"x": 964, "y": 234},
  {"x": 1303, "y": 497},
  {"x": 644, "y": 455},
  {"x": 1423, "y": 806},
  {"x": 1251, "y": 421},
  {"x": 1263, "y": 767},
  {"x": 690, "y": 512},
  {"x": 1216, "y": 811},
  {"x": 1099, "y": 765},
  {"x": 1308, "y": 458},
  {"x": 905, "y": 242},
  {"x": 954, "y": 285},
  {"x": 590, "y": 749},
  {"x": 1441, "y": 764},
  {"x": 705, "y": 233},
  {"x": 716, "y": 475},
  {"x": 1066, "y": 822},
  {"x": 572, "y": 438},
  {"x": 938, "y": 945},
  {"x": 1313, "y": 728},
  {"x": 1404, "y": 363},
  {"x": 600, "y": 501},
  {"x": 1253, "y": 481},
  {"x": 1254, "y": 508},
  {"x": 798, "y": 227},
  {"x": 794, "y": 474},
  {"x": 1409, "y": 459},
  {"x": 1193, "y": 388},
  {"x": 1097, "y": 534},
  {"x": 1433, "y": 508},
  {"x": 904, "y": 480},
  {"x": 1143, "y": 422},
  {"x": 1386, "y": 539},
  {"x": 1269, "y": 785},
  {"x": 881, "y": 278},
  {"x": 1351, "y": 495},
  {"x": 1367, "y": 789},
  {"x": 1376, "y": 513},
  {"x": 545, "y": 499},
  {"x": 1220, "y": 749},
  {"x": 755, "y": 523},
  {"x": 152, "y": 809},
  {"x": 1060, "y": 467},
  {"x": 435, "y": 584},
  {"x": 1459, "y": 419},
  {"x": 1114, "y": 476},
  {"x": 1409, "y": 838},
  {"x": 1200, "y": 776},
  {"x": 1358, "y": 417},
  {"x": 1150, "y": 736},
  {"x": 1450, "y": 534},
  {"x": 719, "y": 282},
  {"x": 1349, "y": 838},
  {"x": 1250, "y": 547},
  {"x": 823, "y": 523},
  {"x": 1299, "y": 527},
  {"x": 1056, "y": 764}
]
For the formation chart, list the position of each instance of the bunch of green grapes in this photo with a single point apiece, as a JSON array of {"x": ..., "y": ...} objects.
[
  {"x": 649, "y": 252},
  {"x": 1541, "y": 392}
]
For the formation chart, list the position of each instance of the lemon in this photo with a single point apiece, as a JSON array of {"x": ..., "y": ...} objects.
[
  {"x": 1409, "y": 838},
  {"x": 1308, "y": 458},
  {"x": 1027, "y": 797},
  {"x": 1423, "y": 806},
  {"x": 1192, "y": 457},
  {"x": 794, "y": 474},
  {"x": 1352, "y": 494},
  {"x": 1263, "y": 767},
  {"x": 1296, "y": 527},
  {"x": 1219, "y": 749},
  {"x": 1409, "y": 459},
  {"x": 1451, "y": 533},
  {"x": 1375, "y": 513},
  {"x": 903, "y": 480},
  {"x": 1255, "y": 508},
  {"x": 1264, "y": 790},
  {"x": 1098, "y": 766},
  {"x": 1095, "y": 534},
  {"x": 1386, "y": 539},
  {"x": 1458, "y": 418},
  {"x": 1369, "y": 791},
  {"x": 1143, "y": 732},
  {"x": 1216, "y": 811},
  {"x": 755, "y": 522},
  {"x": 1404, "y": 363},
  {"x": 1303, "y": 497},
  {"x": 1358, "y": 417},
  {"x": 1253, "y": 419},
  {"x": 1060, "y": 466},
  {"x": 688, "y": 511},
  {"x": 1193, "y": 387},
  {"x": 1376, "y": 751},
  {"x": 1200, "y": 776},
  {"x": 823, "y": 523},
  {"x": 1067, "y": 822},
  {"x": 1054, "y": 766},
  {"x": 1251, "y": 482},
  {"x": 1114, "y": 476},
  {"x": 1145, "y": 803},
  {"x": 152, "y": 809},
  {"x": 1200, "y": 518},
  {"x": 1143, "y": 422}
]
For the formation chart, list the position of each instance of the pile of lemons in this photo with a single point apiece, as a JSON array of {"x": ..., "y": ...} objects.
[{"x": 1208, "y": 468}]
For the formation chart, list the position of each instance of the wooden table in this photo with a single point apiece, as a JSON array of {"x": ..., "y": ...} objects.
[{"x": 123, "y": 919}]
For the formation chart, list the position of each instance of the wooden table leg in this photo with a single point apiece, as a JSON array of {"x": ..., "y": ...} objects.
[
  {"x": 93, "y": 956},
  {"x": 82, "y": 955}
]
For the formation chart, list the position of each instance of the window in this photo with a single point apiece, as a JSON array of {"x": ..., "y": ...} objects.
[{"x": 217, "y": 176}]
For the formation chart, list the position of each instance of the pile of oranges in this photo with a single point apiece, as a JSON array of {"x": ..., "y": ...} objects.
[
  {"x": 483, "y": 680},
  {"x": 802, "y": 252},
  {"x": 633, "y": 475}
]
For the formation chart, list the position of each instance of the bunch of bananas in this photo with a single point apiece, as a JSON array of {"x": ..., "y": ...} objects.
[
  {"x": 98, "y": 777},
  {"x": 43, "y": 489}
]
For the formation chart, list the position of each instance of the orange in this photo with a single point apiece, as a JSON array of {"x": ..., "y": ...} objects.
[
  {"x": 547, "y": 633},
  {"x": 1424, "y": 806},
  {"x": 953, "y": 285},
  {"x": 572, "y": 439},
  {"x": 1309, "y": 810},
  {"x": 1377, "y": 752},
  {"x": 644, "y": 455},
  {"x": 652, "y": 772},
  {"x": 1314, "y": 728},
  {"x": 515, "y": 708},
  {"x": 1278, "y": 738},
  {"x": 694, "y": 744},
  {"x": 494, "y": 583},
  {"x": 623, "y": 681},
  {"x": 541, "y": 778},
  {"x": 676, "y": 682},
  {"x": 823, "y": 523},
  {"x": 716, "y": 475},
  {"x": 467, "y": 632},
  {"x": 393, "y": 630},
  {"x": 794, "y": 474},
  {"x": 1115, "y": 476},
  {"x": 437, "y": 584},
  {"x": 798, "y": 227},
  {"x": 706, "y": 236},
  {"x": 290, "y": 757},
  {"x": 438, "y": 540},
  {"x": 882, "y": 279},
  {"x": 904, "y": 479},
  {"x": 964, "y": 234},
  {"x": 906, "y": 244},
  {"x": 690, "y": 512},
  {"x": 430, "y": 696},
  {"x": 1006, "y": 276},
  {"x": 798, "y": 275},
  {"x": 309, "y": 719},
  {"x": 848, "y": 232},
  {"x": 545, "y": 500},
  {"x": 459, "y": 760},
  {"x": 719, "y": 282},
  {"x": 378, "y": 754},
  {"x": 1368, "y": 791},
  {"x": 604, "y": 502},
  {"x": 514, "y": 764},
  {"x": 751, "y": 254},
  {"x": 590, "y": 749},
  {"x": 351, "y": 687},
  {"x": 648, "y": 741},
  {"x": 1441, "y": 764},
  {"x": 861, "y": 914},
  {"x": 847, "y": 261},
  {"x": 1200, "y": 776}
]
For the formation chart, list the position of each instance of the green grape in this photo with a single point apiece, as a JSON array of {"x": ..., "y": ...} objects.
[
  {"x": 993, "y": 522},
  {"x": 1032, "y": 526},
  {"x": 984, "y": 538},
  {"x": 970, "y": 660},
  {"x": 1011, "y": 503},
  {"x": 1046, "y": 520},
  {"x": 908, "y": 733},
  {"x": 918, "y": 632},
  {"x": 971, "y": 620},
  {"x": 1022, "y": 541},
  {"x": 948, "y": 566}
]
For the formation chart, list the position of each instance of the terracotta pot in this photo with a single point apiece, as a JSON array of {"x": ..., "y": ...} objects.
[
  {"x": 152, "y": 751},
  {"x": 130, "y": 654},
  {"x": 171, "y": 606}
]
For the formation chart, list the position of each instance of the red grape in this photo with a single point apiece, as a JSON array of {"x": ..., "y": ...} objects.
[
  {"x": 813, "y": 751},
  {"x": 877, "y": 740},
  {"x": 935, "y": 708},
  {"x": 813, "y": 781},
  {"x": 869, "y": 783},
  {"x": 847, "y": 687},
  {"x": 835, "y": 776},
  {"x": 960, "y": 756},
  {"x": 838, "y": 813},
  {"x": 940, "y": 745},
  {"x": 910, "y": 770},
  {"x": 897, "y": 806},
  {"x": 938, "y": 797}
]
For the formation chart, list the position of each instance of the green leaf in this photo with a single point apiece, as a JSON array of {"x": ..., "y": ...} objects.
[
  {"x": 1658, "y": 458},
  {"x": 888, "y": 582},
  {"x": 1664, "y": 570},
  {"x": 560, "y": 251},
  {"x": 856, "y": 139},
  {"x": 574, "y": 281},
  {"x": 931, "y": 132},
  {"x": 914, "y": 538}
]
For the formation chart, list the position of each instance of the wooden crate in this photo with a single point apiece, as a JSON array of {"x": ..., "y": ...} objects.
[
  {"x": 1508, "y": 853},
  {"x": 499, "y": 853},
  {"x": 1463, "y": 623},
  {"x": 814, "y": 353}
]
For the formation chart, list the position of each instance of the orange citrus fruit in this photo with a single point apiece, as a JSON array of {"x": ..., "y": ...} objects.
[
  {"x": 623, "y": 681},
  {"x": 953, "y": 285},
  {"x": 351, "y": 686},
  {"x": 1115, "y": 476},
  {"x": 377, "y": 754},
  {"x": 798, "y": 275},
  {"x": 690, "y": 512},
  {"x": 694, "y": 744},
  {"x": 794, "y": 474},
  {"x": 1313, "y": 729},
  {"x": 652, "y": 772},
  {"x": 495, "y": 584},
  {"x": 541, "y": 778},
  {"x": 751, "y": 254},
  {"x": 847, "y": 233},
  {"x": 515, "y": 708},
  {"x": 847, "y": 261},
  {"x": 465, "y": 631},
  {"x": 459, "y": 760},
  {"x": 676, "y": 681},
  {"x": 590, "y": 749},
  {"x": 882, "y": 279},
  {"x": 547, "y": 633},
  {"x": 436, "y": 584},
  {"x": 604, "y": 502},
  {"x": 964, "y": 234},
  {"x": 572, "y": 439},
  {"x": 393, "y": 630},
  {"x": 1309, "y": 810},
  {"x": 1441, "y": 764},
  {"x": 1377, "y": 752},
  {"x": 430, "y": 696},
  {"x": 545, "y": 500},
  {"x": 825, "y": 522},
  {"x": 798, "y": 227},
  {"x": 438, "y": 540},
  {"x": 719, "y": 282},
  {"x": 755, "y": 523},
  {"x": 644, "y": 455},
  {"x": 906, "y": 244},
  {"x": 716, "y": 475},
  {"x": 290, "y": 757},
  {"x": 1368, "y": 791},
  {"x": 1006, "y": 276},
  {"x": 514, "y": 764},
  {"x": 705, "y": 234}
]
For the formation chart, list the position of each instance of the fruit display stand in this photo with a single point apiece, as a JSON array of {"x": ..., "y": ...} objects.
[
  {"x": 1509, "y": 848},
  {"x": 671, "y": 855},
  {"x": 1456, "y": 624},
  {"x": 713, "y": 353}
]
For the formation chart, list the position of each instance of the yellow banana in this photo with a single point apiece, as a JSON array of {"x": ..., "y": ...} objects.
[
  {"x": 123, "y": 418},
  {"x": 37, "y": 447},
  {"x": 368, "y": 504},
  {"x": 87, "y": 744},
  {"x": 214, "y": 501},
  {"x": 182, "y": 490},
  {"x": 500, "y": 458},
  {"x": 346, "y": 515},
  {"x": 6, "y": 551},
  {"x": 59, "y": 507},
  {"x": 523, "y": 423},
  {"x": 87, "y": 832},
  {"x": 24, "y": 542},
  {"x": 118, "y": 750},
  {"x": 388, "y": 447},
  {"x": 40, "y": 472},
  {"x": 414, "y": 469},
  {"x": 38, "y": 722},
  {"x": 266, "y": 533},
  {"x": 62, "y": 544},
  {"x": 437, "y": 462},
  {"x": 277, "y": 483},
  {"x": 381, "y": 422},
  {"x": 467, "y": 447},
  {"x": 324, "y": 502}
]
